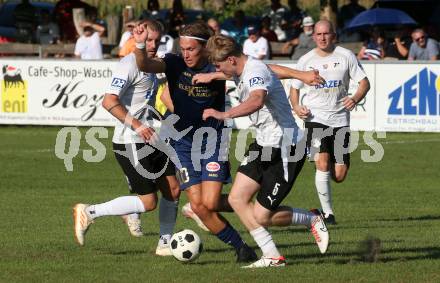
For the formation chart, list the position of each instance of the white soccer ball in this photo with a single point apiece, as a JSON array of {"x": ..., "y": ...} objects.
[{"x": 186, "y": 245}]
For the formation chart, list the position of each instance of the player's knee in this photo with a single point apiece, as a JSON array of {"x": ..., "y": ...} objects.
[
  {"x": 322, "y": 165},
  {"x": 172, "y": 194},
  {"x": 234, "y": 201},
  {"x": 261, "y": 219},
  {"x": 199, "y": 209},
  {"x": 149, "y": 204},
  {"x": 211, "y": 205},
  {"x": 339, "y": 177}
]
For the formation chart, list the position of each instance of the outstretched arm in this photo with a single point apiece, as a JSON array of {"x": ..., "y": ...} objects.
[
  {"x": 254, "y": 103},
  {"x": 308, "y": 77},
  {"x": 145, "y": 64}
]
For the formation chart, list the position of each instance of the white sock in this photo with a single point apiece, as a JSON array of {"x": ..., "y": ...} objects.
[
  {"x": 118, "y": 206},
  {"x": 322, "y": 183},
  {"x": 264, "y": 240},
  {"x": 301, "y": 216},
  {"x": 167, "y": 216}
]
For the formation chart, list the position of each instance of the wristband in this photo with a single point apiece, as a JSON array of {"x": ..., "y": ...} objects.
[{"x": 140, "y": 45}]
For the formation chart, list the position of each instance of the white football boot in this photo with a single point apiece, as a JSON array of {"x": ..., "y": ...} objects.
[
  {"x": 189, "y": 213},
  {"x": 81, "y": 222},
  {"x": 134, "y": 225},
  {"x": 267, "y": 262},
  {"x": 319, "y": 231},
  {"x": 163, "y": 246}
]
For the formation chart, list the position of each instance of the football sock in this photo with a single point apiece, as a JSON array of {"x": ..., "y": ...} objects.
[
  {"x": 231, "y": 237},
  {"x": 322, "y": 183},
  {"x": 118, "y": 206},
  {"x": 301, "y": 216},
  {"x": 264, "y": 240},
  {"x": 167, "y": 216}
]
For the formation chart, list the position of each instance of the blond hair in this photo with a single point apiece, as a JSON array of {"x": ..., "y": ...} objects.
[
  {"x": 220, "y": 47},
  {"x": 198, "y": 30}
]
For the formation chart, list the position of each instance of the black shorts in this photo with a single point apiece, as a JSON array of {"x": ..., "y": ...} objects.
[
  {"x": 334, "y": 141},
  {"x": 271, "y": 174},
  {"x": 156, "y": 164}
]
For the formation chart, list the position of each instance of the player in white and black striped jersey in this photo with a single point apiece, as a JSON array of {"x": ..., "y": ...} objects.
[
  {"x": 129, "y": 98},
  {"x": 326, "y": 109}
]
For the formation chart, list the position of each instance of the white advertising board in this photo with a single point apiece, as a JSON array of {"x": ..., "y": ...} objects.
[
  {"x": 407, "y": 97},
  {"x": 403, "y": 96},
  {"x": 54, "y": 92}
]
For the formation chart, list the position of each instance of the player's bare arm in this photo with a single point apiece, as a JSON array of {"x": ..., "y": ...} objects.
[
  {"x": 112, "y": 104},
  {"x": 145, "y": 64},
  {"x": 254, "y": 103},
  {"x": 300, "y": 110},
  {"x": 206, "y": 78},
  {"x": 308, "y": 77},
  {"x": 350, "y": 102}
]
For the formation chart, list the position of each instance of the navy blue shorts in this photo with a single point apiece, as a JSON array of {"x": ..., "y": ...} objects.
[{"x": 196, "y": 169}]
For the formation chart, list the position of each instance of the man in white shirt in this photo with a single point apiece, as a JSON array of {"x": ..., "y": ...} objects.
[
  {"x": 88, "y": 46},
  {"x": 326, "y": 109},
  {"x": 256, "y": 46},
  {"x": 127, "y": 99},
  {"x": 272, "y": 161}
]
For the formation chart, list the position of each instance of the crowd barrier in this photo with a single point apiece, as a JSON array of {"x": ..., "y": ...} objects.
[{"x": 404, "y": 96}]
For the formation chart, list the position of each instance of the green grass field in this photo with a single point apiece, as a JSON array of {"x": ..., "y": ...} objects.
[{"x": 395, "y": 200}]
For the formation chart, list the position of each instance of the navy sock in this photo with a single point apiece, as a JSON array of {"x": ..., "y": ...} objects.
[{"x": 231, "y": 237}]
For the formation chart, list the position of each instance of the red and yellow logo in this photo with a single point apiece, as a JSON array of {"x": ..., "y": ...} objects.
[{"x": 14, "y": 91}]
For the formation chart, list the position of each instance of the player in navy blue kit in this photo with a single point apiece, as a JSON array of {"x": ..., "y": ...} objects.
[{"x": 202, "y": 180}]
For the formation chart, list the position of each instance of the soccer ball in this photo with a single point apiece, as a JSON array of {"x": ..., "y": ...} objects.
[{"x": 186, "y": 245}]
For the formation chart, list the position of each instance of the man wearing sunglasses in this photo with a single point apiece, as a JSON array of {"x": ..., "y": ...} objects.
[{"x": 423, "y": 48}]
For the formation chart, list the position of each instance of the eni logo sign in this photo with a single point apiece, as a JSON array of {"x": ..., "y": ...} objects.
[{"x": 14, "y": 91}]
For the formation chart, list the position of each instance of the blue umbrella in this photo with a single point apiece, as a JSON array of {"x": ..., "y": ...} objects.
[{"x": 380, "y": 17}]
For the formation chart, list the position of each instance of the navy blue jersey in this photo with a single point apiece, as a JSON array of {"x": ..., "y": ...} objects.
[{"x": 190, "y": 100}]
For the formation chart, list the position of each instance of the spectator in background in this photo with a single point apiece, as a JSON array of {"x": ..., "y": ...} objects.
[
  {"x": 128, "y": 47},
  {"x": 64, "y": 15},
  {"x": 152, "y": 11},
  {"x": 166, "y": 45},
  {"x": 92, "y": 15},
  {"x": 48, "y": 31},
  {"x": 88, "y": 46},
  {"x": 278, "y": 15},
  {"x": 127, "y": 43},
  {"x": 256, "y": 46},
  {"x": 422, "y": 47},
  {"x": 25, "y": 21},
  {"x": 237, "y": 27},
  {"x": 266, "y": 32},
  {"x": 399, "y": 47},
  {"x": 215, "y": 26},
  {"x": 128, "y": 33},
  {"x": 176, "y": 18},
  {"x": 374, "y": 48},
  {"x": 304, "y": 43},
  {"x": 348, "y": 12},
  {"x": 296, "y": 16}
]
